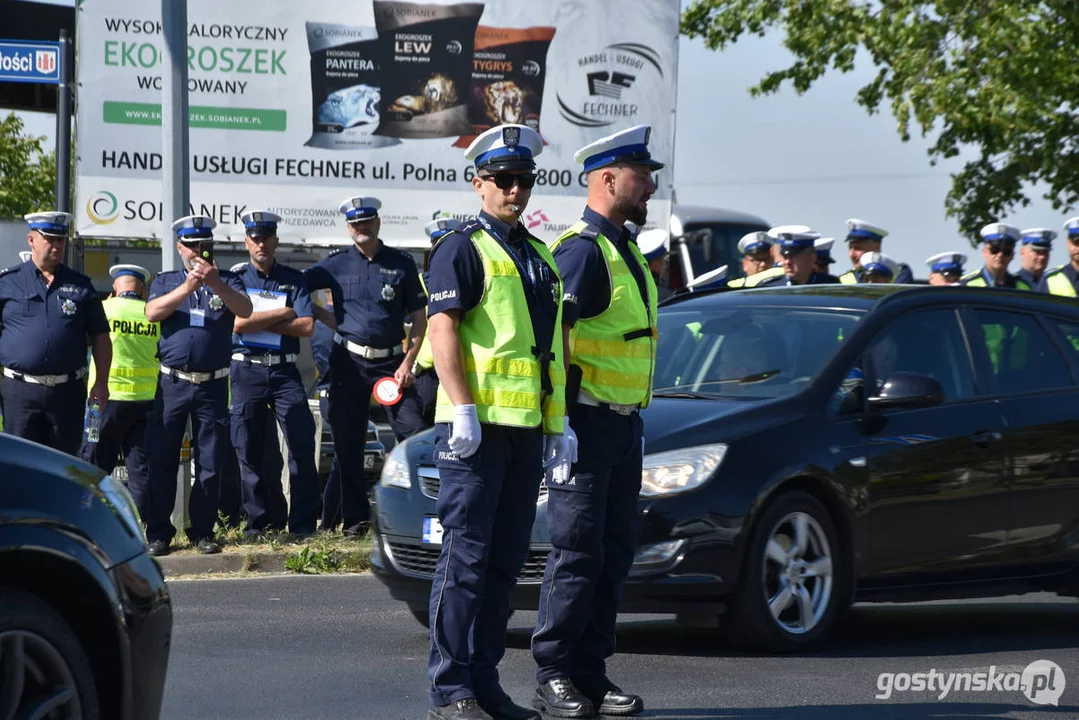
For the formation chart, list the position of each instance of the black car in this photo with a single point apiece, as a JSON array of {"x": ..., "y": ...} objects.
[
  {"x": 810, "y": 447},
  {"x": 85, "y": 615}
]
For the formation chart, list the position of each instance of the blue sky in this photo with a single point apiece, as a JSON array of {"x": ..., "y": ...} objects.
[{"x": 815, "y": 159}]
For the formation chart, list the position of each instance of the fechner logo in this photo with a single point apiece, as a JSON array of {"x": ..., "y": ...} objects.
[{"x": 103, "y": 207}]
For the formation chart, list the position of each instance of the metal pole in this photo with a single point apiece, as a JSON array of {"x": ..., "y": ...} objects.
[
  {"x": 64, "y": 93},
  {"x": 175, "y": 170}
]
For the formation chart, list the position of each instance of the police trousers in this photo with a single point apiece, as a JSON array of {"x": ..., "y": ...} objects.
[
  {"x": 258, "y": 391},
  {"x": 207, "y": 406},
  {"x": 123, "y": 431},
  {"x": 594, "y": 525},
  {"x": 352, "y": 379},
  {"x": 52, "y": 416},
  {"x": 486, "y": 504}
]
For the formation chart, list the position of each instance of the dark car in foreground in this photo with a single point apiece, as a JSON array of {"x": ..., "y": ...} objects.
[
  {"x": 85, "y": 614},
  {"x": 812, "y": 447}
]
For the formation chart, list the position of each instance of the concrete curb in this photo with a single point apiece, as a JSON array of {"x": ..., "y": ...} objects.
[{"x": 222, "y": 564}]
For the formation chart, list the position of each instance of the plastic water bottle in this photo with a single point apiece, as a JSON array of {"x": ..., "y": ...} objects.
[{"x": 93, "y": 423}]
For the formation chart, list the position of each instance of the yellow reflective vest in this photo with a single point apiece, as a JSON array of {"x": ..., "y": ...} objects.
[
  {"x": 849, "y": 278},
  {"x": 497, "y": 339},
  {"x": 616, "y": 350},
  {"x": 1060, "y": 284},
  {"x": 134, "y": 370}
]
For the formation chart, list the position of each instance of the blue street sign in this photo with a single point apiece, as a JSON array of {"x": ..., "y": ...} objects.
[{"x": 32, "y": 62}]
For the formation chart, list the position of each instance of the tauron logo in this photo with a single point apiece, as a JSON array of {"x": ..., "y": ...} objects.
[
  {"x": 103, "y": 207},
  {"x": 610, "y": 75},
  {"x": 536, "y": 218}
]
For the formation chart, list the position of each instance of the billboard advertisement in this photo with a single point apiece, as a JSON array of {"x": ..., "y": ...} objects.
[{"x": 297, "y": 106}]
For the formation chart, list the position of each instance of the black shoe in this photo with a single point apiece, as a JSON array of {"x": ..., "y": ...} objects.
[
  {"x": 159, "y": 548},
  {"x": 609, "y": 699},
  {"x": 559, "y": 698},
  {"x": 208, "y": 547},
  {"x": 358, "y": 530},
  {"x": 467, "y": 709},
  {"x": 503, "y": 708}
]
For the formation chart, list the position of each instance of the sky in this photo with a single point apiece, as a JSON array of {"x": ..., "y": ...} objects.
[{"x": 815, "y": 159}]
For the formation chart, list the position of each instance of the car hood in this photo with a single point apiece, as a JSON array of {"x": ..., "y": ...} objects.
[
  {"x": 24, "y": 456},
  {"x": 672, "y": 423}
]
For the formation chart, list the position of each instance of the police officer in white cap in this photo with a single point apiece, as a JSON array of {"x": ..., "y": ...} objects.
[
  {"x": 609, "y": 320},
  {"x": 196, "y": 307},
  {"x": 49, "y": 313},
  {"x": 1064, "y": 280},
  {"x": 998, "y": 249},
  {"x": 946, "y": 268},
  {"x": 878, "y": 268},
  {"x": 823, "y": 246},
  {"x": 1034, "y": 251},
  {"x": 757, "y": 259},
  {"x": 796, "y": 247},
  {"x": 863, "y": 237},
  {"x": 655, "y": 246},
  {"x": 132, "y": 382}
]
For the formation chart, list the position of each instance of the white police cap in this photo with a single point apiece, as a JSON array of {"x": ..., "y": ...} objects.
[
  {"x": 861, "y": 230},
  {"x": 360, "y": 208},
  {"x": 1072, "y": 226},
  {"x": 439, "y": 227},
  {"x": 260, "y": 222},
  {"x": 755, "y": 242},
  {"x": 711, "y": 279},
  {"x": 1039, "y": 237},
  {"x": 505, "y": 147},
  {"x": 874, "y": 263},
  {"x": 946, "y": 261},
  {"x": 133, "y": 270},
  {"x": 194, "y": 227},
  {"x": 999, "y": 232},
  {"x": 653, "y": 243},
  {"x": 793, "y": 236},
  {"x": 25, "y": 255},
  {"x": 625, "y": 146},
  {"x": 823, "y": 246},
  {"x": 56, "y": 224}
]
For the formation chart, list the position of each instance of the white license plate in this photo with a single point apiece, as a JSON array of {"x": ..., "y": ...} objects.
[
  {"x": 368, "y": 462},
  {"x": 432, "y": 531}
]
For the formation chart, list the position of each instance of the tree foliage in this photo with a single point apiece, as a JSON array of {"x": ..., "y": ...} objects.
[
  {"x": 998, "y": 77},
  {"x": 27, "y": 171}
]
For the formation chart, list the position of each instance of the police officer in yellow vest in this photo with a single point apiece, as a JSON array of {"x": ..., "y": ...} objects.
[
  {"x": 863, "y": 237},
  {"x": 998, "y": 249},
  {"x": 609, "y": 318},
  {"x": 495, "y": 329},
  {"x": 757, "y": 261},
  {"x": 132, "y": 381},
  {"x": 1064, "y": 281}
]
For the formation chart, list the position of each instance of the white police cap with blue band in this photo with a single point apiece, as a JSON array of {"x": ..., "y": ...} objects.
[
  {"x": 25, "y": 255},
  {"x": 755, "y": 242},
  {"x": 442, "y": 226},
  {"x": 947, "y": 262},
  {"x": 1072, "y": 226},
  {"x": 260, "y": 222},
  {"x": 793, "y": 236},
  {"x": 133, "y": 270},
  {"x": 50, "y": 223},
  {"x": 1039, "y": 237},
  {"x": 875, "y": 263},
  {"x": 861, "y": 230},
  {"x": 505, "y": 147},
  {"x": 194, "y": 227},
  {"x": 999, "y": 232},
  {"x": 626, "y": 146},
  {"x": 709, "y": 280},
  {"x": 360, "y": 208},
  {"x": 823, "y": 246},
  {"x": 653, "y": 243}
]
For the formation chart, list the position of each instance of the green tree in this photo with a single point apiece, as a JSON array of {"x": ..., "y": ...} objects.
[
  {"x": 996, "y": 77},
  {"x": 27, "y": 171}
]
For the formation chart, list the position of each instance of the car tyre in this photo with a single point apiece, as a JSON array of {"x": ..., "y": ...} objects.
[
  {"x": 794, "y": 580},
  {"x": 42, "y": 662},
  {"x": 422, "y": 613}
]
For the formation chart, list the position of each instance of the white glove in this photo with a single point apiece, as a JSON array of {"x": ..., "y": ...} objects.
[
  {"x": 560, "y": 449},
  {"x": 465, "y": 436}
]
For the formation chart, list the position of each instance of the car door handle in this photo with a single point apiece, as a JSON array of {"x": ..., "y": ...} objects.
[{"x": 984, "y": 438}]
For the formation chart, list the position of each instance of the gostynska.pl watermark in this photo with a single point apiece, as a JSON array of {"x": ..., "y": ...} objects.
[{"x": 1041, "y": 682}]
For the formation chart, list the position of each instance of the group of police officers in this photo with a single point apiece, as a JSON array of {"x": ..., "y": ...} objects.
[{"x": 532, "y": 362}]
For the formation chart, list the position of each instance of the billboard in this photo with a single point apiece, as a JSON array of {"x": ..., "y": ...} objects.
[{"x": 297, "y": 106}]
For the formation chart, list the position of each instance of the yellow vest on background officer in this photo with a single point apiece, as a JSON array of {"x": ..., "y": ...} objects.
[
  {"x": 998, "y": 249},
  {"x": 1064, "y": 280},
  {"x": 132, "y": 382},
  {"x": 610, "y": 322}
]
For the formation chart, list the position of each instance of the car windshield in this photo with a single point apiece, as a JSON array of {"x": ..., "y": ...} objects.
[{"x": 748, "y": 353}]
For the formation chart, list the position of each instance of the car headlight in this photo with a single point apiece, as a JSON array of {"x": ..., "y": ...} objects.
[
  {"x": 119, "y": 499},
  {"x": 676, "y": 471},
  {"x": 395, "y": 471}
]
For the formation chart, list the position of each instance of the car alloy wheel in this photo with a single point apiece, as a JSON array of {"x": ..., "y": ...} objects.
[{"x": 797, "y": 573}]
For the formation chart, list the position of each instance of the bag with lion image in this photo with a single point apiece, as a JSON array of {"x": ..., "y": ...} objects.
[{"x": 508, "y": 71}]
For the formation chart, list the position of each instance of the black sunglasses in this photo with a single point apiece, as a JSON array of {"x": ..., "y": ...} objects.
[
  {"x": 998, "y": 248},
  {"x": 504, "y": 181}
]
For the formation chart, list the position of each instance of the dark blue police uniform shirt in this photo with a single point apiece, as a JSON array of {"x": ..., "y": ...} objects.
[
  {"x": 456, "y": 274},
  {"x": 586, "y": 284},
  {"x": 190, "y": 348},
  {"x": 1028, "y": 277},
  {"x": 321, "y": 346},
  {"x": 371, "y": 298},
  {"x": 44, "y": 329},
  {"x": 282, "y": 279}
]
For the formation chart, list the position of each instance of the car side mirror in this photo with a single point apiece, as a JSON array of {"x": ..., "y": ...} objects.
[{"x": 907, "y": 390}]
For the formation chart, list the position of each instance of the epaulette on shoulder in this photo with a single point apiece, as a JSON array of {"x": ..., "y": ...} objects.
[
  {"x": 9, "y": 270},
  {"x": 338, "y": 251},
  {"x": 970, "y": 276},
  {"x": 1055, "y": 270},
  {"x": 467, "y": 228}
]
